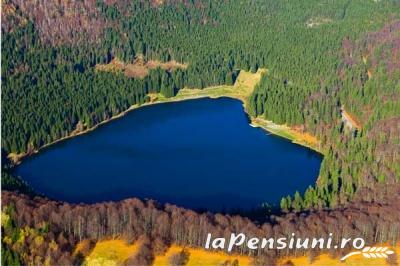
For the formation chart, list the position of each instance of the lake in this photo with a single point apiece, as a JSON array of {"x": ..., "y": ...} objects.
[{"x": 197, "y": 154}]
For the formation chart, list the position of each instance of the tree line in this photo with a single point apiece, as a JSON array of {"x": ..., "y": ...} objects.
[{"x": 52, "y": 229}]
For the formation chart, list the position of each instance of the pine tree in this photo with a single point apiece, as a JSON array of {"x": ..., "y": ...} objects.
[{"x": 297, "y": 202}]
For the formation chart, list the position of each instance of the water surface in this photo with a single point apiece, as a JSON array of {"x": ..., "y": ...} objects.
[{"x": 197, "y": 154}]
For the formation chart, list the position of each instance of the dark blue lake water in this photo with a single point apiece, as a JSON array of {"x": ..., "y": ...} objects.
[{"x": 196, "y": 154}]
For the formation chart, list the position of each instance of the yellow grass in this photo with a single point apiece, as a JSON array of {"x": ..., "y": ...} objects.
[
  {"x": 296, "y": 135},
  {"x": 110, "y": 252},
  {"x": 116, "y": 252},
  {"x": 201, "y": 257},
  {"x": 241, "y": 90},
  {"x": 15, "y": 157}
]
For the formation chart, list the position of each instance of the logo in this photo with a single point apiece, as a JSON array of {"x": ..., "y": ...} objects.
[
  {"x": 371, "y": 252},
  {"x": 293, "y": 242}
]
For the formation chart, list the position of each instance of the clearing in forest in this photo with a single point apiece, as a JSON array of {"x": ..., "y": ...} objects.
[
  {"x": 241, "y": 90},
  {"x": 197, "y": 256},
  {"x": 111, "y": 252},
  {"x": 139, "y": 68},
  {"x": 116, "y": 252}
]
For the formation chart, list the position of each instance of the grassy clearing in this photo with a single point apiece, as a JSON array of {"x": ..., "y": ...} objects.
[
  {"x": 241, "y": 90},
  {"x": 139, "y": 68},
  {"x": 110, "y": 252},
  {"x": 202, "y": 257},
  {"x": 116, "y": 252}
]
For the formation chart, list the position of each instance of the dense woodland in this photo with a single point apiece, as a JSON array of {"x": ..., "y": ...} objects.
[
  {"x": 38, "y": 230},
  {"x": 323, "y": 57}
]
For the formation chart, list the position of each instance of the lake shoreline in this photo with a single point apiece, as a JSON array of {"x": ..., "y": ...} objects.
[
  {"x": 193, "y": 138},
  {"x": 296, "y": 136},
  {"x": 17, "y": 158},
  {"x": 267, "y": 125},
  {"x": 242, "y": 89}
]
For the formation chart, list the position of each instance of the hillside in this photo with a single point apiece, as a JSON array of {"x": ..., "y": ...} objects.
[{"x": 61, "y": 227}]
